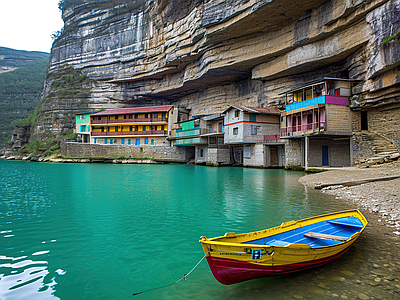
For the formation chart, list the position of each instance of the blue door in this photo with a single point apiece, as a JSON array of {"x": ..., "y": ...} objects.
[{"x": 325, "y": 156}]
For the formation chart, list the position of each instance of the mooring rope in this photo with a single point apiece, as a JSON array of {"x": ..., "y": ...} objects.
[{"x": 182, "y": 278}]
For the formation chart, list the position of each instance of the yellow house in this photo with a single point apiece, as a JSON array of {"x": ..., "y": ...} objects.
[{"x": 131, "y": 126}]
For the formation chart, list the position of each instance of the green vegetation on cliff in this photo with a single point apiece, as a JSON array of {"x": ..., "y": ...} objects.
[{"x": 20, "y": 89}]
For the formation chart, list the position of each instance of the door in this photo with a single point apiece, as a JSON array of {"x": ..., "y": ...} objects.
[
  {"x": 325, "y": 156},
  {"x": 364, "y": 120}
]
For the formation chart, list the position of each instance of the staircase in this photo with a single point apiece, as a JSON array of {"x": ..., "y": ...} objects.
[{"x": 371, "y": 147}]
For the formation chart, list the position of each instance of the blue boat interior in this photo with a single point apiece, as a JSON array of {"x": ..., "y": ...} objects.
[{"x": 319, "y": 234}]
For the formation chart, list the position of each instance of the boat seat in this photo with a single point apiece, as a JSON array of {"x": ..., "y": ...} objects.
[{"x": 317, "y": 235}]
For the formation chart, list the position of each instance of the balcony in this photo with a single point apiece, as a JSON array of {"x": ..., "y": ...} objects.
[
  {"x": 129, "y": 121},
  {"x": 189, "y": 133},
  {"x": 191, "y": 141},
  {"x": 129, "y": 133},
  {"x": 299, "y": 130},
  {"x": 337, "y": 100}
]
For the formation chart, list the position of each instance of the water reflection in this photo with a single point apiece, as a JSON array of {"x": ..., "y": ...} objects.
[
  {"x": 22, "y": 278},
  {"x": 105, "y": 231}
]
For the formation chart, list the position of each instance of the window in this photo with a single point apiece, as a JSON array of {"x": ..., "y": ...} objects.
[
  {"x": 162, "y": 127},
  {"x": 201, "y": 152},
  {"x": 152, "y": 141},
  {"x": 129, "y": 141},
  {"x": 122, "y": 141},
  {"x": 83, "y": 128},
  {"x": 146, "y": 115},
  {"x": 95, "y": 140},
  {"x": 131, "y": 128},
  {"x": 137, "y": 141},
  {"x": 111, "y": 141},
  {"x": 83, "y": 117},
  {"x": 235, "y": 131},
  {"x": 102, "y": 129},
  {"x": 116, "y": 128},
  {"x": 105, "y": 141},
  {"x": 237, "y": 113},
  {"x": 146, "y": 140},
  {"x": 253, "y": 118},
  {"x": 253, "y": 129},
  {"x": 155, "y": 116}
]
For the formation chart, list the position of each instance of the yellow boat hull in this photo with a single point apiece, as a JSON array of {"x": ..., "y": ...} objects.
[{"x": 234, "y": 258}]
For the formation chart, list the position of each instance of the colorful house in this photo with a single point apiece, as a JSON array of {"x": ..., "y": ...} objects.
[
  {"x": 82, "y": 127},
  {"x": 132, "y": 126},
  {"x": 253, "y": 136},
  {"x": 203, "y": 138},
  {"x": 317, "y": 124}
]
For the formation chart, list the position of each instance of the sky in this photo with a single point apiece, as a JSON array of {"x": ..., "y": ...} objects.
[{"x": 29, "y": 24}]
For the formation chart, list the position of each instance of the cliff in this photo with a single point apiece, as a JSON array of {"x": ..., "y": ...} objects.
[{"x": 204, "y": 54}]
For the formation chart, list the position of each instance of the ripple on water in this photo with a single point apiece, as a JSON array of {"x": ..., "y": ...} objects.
[{"x": 22, "y": 278}]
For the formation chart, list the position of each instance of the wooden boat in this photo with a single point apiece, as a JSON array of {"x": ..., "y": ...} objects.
[{"x": 290, "y": 247}]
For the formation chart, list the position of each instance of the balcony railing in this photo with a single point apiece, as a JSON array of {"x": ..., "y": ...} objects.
[
  {"x": 188, "y": 133},
  {"x": 127, "y": 133},
  {"x": 271, "y": 138},
  {"x": 298, "y": 130},
  {"x": 337, "y": 100},
  {"x": 133, "y": 120},
  {"x": 211, "y": 130}
]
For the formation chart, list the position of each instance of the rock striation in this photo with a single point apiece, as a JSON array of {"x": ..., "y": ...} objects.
[{"x": 205, "y": 55}]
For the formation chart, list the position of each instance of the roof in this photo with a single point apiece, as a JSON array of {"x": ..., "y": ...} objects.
[
  {"x": 315, "y": 82},
  {"x": 83, "y": 113},
  {"x": 134, "y": 110},
  {"x": 255, "y": 110}
]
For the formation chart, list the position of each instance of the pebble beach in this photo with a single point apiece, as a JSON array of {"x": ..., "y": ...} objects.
[{"x": 381, "y": 198}]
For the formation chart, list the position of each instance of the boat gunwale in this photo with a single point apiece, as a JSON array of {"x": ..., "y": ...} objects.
[{"x": 287, "y": 226}]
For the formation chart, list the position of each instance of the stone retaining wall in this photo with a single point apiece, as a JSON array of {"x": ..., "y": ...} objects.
[{"x": 166, "y": 153}]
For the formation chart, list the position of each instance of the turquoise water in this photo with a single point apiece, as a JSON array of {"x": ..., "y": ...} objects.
[{"x": 105, "y": 231}]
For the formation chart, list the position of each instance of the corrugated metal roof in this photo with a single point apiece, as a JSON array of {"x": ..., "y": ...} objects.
[
  {"x": 315, "y": 82},
  {"x": 256, "y": 110},
  {"x": 134, "y": 110}
]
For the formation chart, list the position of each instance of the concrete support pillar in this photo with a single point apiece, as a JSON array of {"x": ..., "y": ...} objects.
[
  {"x": 306, "y": 147},
  {"x": 351, "y": 152}
]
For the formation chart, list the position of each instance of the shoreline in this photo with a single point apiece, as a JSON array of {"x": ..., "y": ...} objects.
[{"x": 379, "y": 197}]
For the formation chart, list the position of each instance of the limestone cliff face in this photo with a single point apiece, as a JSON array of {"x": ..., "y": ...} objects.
[{"x": 206, "y": 54}]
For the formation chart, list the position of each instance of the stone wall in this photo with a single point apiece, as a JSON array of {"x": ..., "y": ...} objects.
[
  {"x": 218, "y": 156},
  {"x": 165, "y": 153},
  {"x": 338, "y": 118},
  {"x": 257, "y": 156},
  {"x": 356, "y": 121},
  {"x": 293, "y": 152},
  {"x": 338, "y": 151},
  {"x": 386, "y": 121}
]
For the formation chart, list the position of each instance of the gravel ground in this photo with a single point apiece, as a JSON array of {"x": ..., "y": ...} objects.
[{"x": 381, "y": 197}]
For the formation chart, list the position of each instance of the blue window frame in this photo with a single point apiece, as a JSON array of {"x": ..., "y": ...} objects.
[
  {"x": 146, "y": 140},
  {"x": 162, "y": 127},
  {"x": 137, "y": 141},
  {"x": 129, "y": 141},
  {"x": 105, "y": 141},
  {"x": 123, "y": 141},
  {"x": 111, "y": 141},
  {"x": 95, "y": 140}
]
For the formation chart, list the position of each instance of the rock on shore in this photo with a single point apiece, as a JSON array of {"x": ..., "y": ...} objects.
[{"x": 380, "y": 197}]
